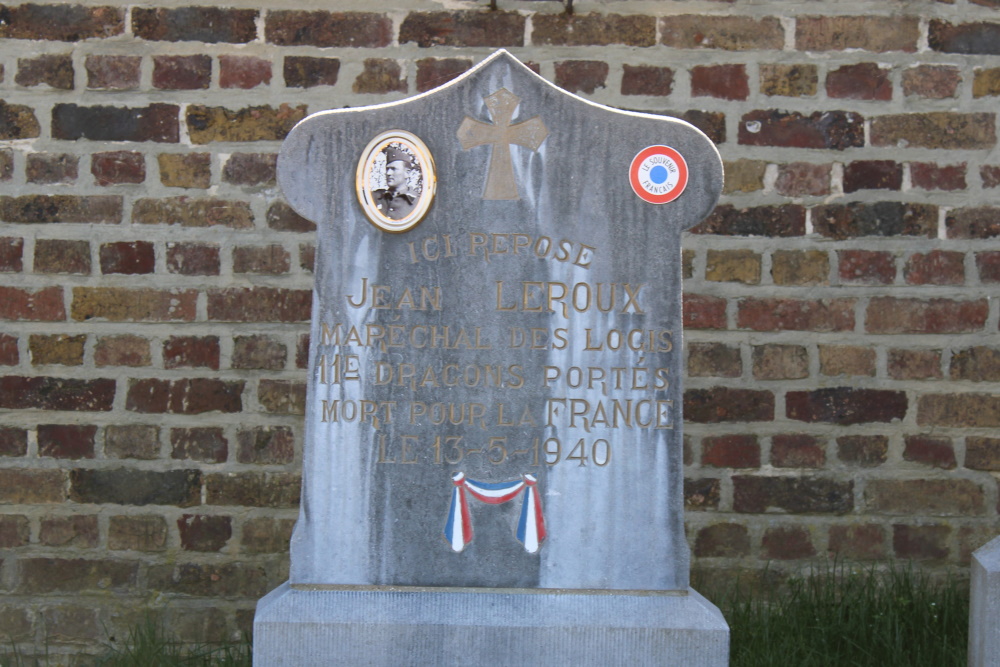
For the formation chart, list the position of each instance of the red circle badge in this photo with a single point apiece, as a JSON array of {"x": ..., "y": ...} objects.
[{"x": 658, "y": 174}]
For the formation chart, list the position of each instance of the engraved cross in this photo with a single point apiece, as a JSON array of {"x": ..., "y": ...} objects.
[{"x": 500, "y": 183}]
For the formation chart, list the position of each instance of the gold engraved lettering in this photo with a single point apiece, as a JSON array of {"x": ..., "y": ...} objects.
[
  {"x": 612, "y": 413},
  {"x": 348, "y": 411},
  {"x": 637, "y": 340},
  {"x": 562, "y": 299},
  {"x": 405, "y": 444},
  {"x": 343, "y": 368},
  {"x": 381, "y": 297},
  {"x": 381, "y": 451}
]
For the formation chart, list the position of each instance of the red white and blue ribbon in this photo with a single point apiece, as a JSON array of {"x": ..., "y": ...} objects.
[{"x": 530, "y": 527}]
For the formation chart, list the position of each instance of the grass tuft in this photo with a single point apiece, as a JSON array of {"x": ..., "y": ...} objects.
[
  {"x": 149, "y": 644},
  {"x": 846, "y": 616}
]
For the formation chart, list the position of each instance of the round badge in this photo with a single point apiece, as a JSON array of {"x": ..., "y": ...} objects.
[
  {"x": 395, "y": 181},
  {"x": 658, "y": 174}
]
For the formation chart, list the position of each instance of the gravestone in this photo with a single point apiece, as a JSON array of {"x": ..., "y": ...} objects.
[
  {"x": 984, "y": 606},
  {"x": 493, "y": 452}
]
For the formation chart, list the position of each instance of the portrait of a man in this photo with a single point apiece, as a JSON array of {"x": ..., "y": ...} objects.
[
  {"x": 396, "y": 181},
  {"x": 395, "y": 200}
]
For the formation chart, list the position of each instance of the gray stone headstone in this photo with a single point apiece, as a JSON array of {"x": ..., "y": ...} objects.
[
  {"x": 984, "y": 606},
  {"x": 493, "y": 453}
]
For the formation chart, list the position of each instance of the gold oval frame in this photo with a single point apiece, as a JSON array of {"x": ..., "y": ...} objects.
[{"x": 428, "y": 174}]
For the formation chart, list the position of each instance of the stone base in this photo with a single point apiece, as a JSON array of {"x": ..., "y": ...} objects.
[
  {"x": 358, "y": 625},
  {"x": 984, "y": 606}
]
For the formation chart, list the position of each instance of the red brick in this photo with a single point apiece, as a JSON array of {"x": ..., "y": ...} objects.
[
  {"x": 843, "y": 221},
  {"x": 205, "y": 444},
  {"x": 777, "y": 221},
  {"x": 797, "y": 451},
  {"x": 647, "y": 80},
  {"x": 796, "y": 315},
  {"x": 137, "y": 533},
  {"x": 58, "y": 256},
  {"x": 8, "y": 350},
  {"x": 193, "y": 259},
  {"x": 182, "y": 72},
  {"x": 938, "y": 267},
  {"x": 723, "y": 404},
  {"x": 930, "y": 176},
  {"x": 250, "y": 169},
  {"x": 193, "y": 212},
  {"x": 780, "y": 362},
  {"x": 259, "y": 304},
  {"x": 925, "y": 497},
  {"x": 215, "y": 580},
  {"x": 586, "y": 30},
  {"x": 846, "y": 360},
  {"x": 976, "y": 364},
  {"x": 52, "y": 69},
  {"x": 61, "y": 208},
  {"x": 266, "y": 445},
  {"x": 128, "y": 257},
  {"x": 132, "y": 441},
  {"x": 731, "y": 451},
  {"x": 77, "y": 530},
  {"x": 327, "y": 29},
  {"x": 267, "y": 535},
  {"x": 51, "y": 168},
  {"x": 897, "y": 315},
  {"x": 914, "y": 364},
  {"x": 253, "y": 489},
  {"x": 65, "y": 575},
  {"x": 803, "y": 179},
  {"x": 243, "y": 71},
  {"x": 185, "y": 170},
  {"x": 11, "y": 250},
  {"x": 14, "y": 531},
  {"x": 308, "y": 72},
  {"x": 281, "y": 218},
  {"x": 379, "y": 77},
  {"x": 467, "y": 29},
  {"x": 713, "y": 360},
  {"x": 307, "y": 256},
  {"x": 48, "y": 393},
  {"x": 195, "y": 24},
  {"x": 869, "y": 267},
  {"x": 722, "y": 540},
  {"x": 864, "y": 81},
  {"x": 204, "y": 532},
  {"x": 21, "y": 486},
  {"x": 113, "y": 72},
  {"x": 990, "y": 175},
  {"x": 260, "y": 123},
  {"x": 873, "y": 175},
  {"x": 258, "y": 353},
  {"x": 122, "y": 350},
  {"x": 581, "y": 76},
  {"x": 969, "y": 38},
  {"x": 127, "y": 486},
  {"x": 282, "y": 397},
  {"x": 937, "y": 129},
  {"x": 982, "y": 453},
  {"x": 6, "y": 157},
  {"x": 857, "y": 541},
  {"x": 61, "y": 349},
  {"x": 730, "y": 33},
  {"x": 866, "y": 451},
  {"x": 837, "y": 130},
  {"x": 704, "y": 312},
  {"x": 727, "y": 82},
  {"x": 121, "y": 304},
  {"x": 191, "y": 352},
  {"x": 788, "y": 80},
  {"x": 959, "y": 410},
  {"x": 971, "y": 538},
  {"x": 796, "y": 495},
  {"x": 44, "y": 305},
  {"x": 973, "y": 223},
  {"x": 930, "y": 450},
  {"x": 66, "y": 441},
  {"x": 18, "y": 121},
  {"x": 65, "y": 23},
  {"x": 156, "y": 122},
  {"x": 786, "y": 543},
  {"x": 931, "y": 81},
  {"x": 712, "y": 123},
  {"x": 701, "y": 494},
  {"x": 845, "y": 405},
  {"x": 302, "y": 352},
  {"x": 118, "y": 167},
  {"x": 870, "y": 33},
  {"x": 184, "y": 397},
  {"x": 988, "y": 264}
]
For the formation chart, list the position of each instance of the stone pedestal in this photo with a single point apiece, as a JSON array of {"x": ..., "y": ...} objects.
[
  {"x": 377, "y": 625},
  {"x": 984, "y": 612}
]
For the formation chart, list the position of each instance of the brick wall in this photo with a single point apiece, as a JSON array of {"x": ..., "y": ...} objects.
[{"x": 843, "y": 386}]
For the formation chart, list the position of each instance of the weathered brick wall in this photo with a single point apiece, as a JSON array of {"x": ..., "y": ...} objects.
[{"x": 843, "y": 353}]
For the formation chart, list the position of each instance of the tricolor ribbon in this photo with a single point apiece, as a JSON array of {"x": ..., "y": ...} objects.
[{"x": 530, "y": 527}]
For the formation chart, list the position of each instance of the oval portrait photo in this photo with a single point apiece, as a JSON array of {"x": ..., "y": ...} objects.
[{"x": 396, "y": 181}]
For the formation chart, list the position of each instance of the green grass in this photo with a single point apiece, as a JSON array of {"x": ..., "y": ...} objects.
[
  {"x": 150, "y": 644},
  {"x": 850, "y": 617}
]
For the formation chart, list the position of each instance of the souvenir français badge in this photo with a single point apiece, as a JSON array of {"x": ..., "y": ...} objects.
[
  {"x": 658, "y": 174},
  {"x": 396, "y": 181}
]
